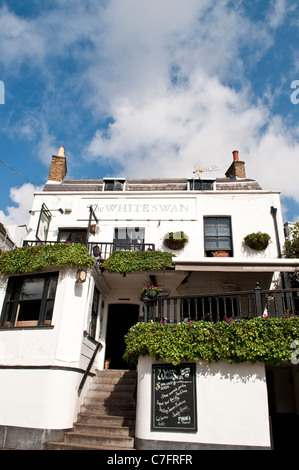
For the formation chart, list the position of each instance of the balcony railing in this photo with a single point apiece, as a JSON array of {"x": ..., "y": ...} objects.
[
  {"x": 102, "y": 250},
  {"x": 217, "y": 307}
]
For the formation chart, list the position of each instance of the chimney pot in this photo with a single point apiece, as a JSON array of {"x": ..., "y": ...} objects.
[
  {"x": 61, "y": 152},
  {"x": 236, "y": 155}
]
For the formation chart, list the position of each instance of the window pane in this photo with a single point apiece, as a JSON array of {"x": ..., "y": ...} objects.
[
  {"x": 224, "y": 243},
  {"x": 121, "y": 234},
  {"x": 8, "y": 313},
  {"x": 12, "y": 288},
  {"x": 52, "y": 288},
  {"x": 28, "y": 311},
  {"x": 32, "y": 289},
  {"x": 136, "y": 235},
  {"x": 210, "y": 226},
  {"x": 72, "y": 236},
  {"x": 211, "y": 243},
  {"x": 49, "y": 311},
  {"x": 223, "y": 227}
]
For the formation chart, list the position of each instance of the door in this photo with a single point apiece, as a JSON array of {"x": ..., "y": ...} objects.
[{"x": 120, "y": 318}]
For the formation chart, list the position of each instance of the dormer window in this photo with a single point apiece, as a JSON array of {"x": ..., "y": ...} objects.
[
  {"x": 112, "y": 184},
  {"x": 201, "y": 185}
]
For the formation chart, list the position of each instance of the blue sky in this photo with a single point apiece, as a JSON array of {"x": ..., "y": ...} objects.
[{"x": 148, "y": 88}]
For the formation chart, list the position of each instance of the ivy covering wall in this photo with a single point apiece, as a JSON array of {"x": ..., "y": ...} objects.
[
  {"x": 36, "y": 258},
  {"x": 254, "y": 340},
  {"x": 130, "y": 261}
]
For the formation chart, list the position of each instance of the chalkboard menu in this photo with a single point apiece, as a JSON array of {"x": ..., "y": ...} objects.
[{"x": 174, "y": 398}]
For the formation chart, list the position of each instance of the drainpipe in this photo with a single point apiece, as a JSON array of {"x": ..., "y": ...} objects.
[{"x": 274, "y": 215}]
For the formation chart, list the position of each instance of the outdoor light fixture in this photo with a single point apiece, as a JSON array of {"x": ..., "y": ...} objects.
[{"x": 81, "y": 275}]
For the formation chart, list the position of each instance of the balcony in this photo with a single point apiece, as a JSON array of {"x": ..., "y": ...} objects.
[
  {"x": 102, "y": 250},
  {"x": 282, "y": 303}
]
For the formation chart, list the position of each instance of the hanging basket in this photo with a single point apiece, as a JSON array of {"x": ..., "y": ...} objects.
[
  {"x": 257, "y": 241},
  {"x": 175, "y": 240}
]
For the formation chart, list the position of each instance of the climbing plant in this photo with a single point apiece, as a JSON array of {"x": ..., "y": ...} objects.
[
  {"x": 35, "y": 258},
  {"x": 130, "y": 261},
  {"x": 255, "y": 340},
  {"x": 291, "y": 250}
]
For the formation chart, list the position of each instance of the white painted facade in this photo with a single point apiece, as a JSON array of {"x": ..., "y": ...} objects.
[
  {"x": 232, "y": 408},
  {"x": 42, "y": 368}
]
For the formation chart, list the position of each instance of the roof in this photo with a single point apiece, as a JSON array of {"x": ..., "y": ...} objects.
[{"x": 152, "y": 184}]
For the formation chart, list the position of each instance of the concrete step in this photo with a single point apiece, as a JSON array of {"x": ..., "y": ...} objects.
[
  {"x": 122, "y": 394},
  {"x": 113, "y": 385},
  {"x": 107, "y": 416},
  {"x": 99, "y": 439},
  {"x": 128, "y": 411},
  {"x": 110, "y": 401},
  {"x": 75, "y": 446},
  {"x": 126, "y": 374},
  {"x": 104, "y": 419},
  {"x": 104, "y": 429}
]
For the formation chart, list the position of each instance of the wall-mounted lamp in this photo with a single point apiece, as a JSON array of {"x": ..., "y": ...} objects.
[{"x": 81, "y": 275}]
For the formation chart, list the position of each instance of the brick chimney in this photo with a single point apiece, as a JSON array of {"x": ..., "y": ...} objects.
[
  {"x": 58, "y": 167},
  {"x": 237, "y": 168}
]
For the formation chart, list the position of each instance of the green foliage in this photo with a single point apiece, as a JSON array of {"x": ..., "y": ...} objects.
[
  {"x": 257, "y": 241},
  {"x": 292, "y": 245},
  {"x": 175, "y": 240},
  {"x": 291, "y": 250},
  {"x": 35, "y": 258},
  {"x": 130, "y": 261},
  {"x": 254, "y": 340}
]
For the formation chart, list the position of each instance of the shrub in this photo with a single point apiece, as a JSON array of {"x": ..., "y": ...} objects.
[
  {"x": 35, "y": 258},
  {"x": 130, "y": 261},
  {"x": 258, "y": 339}
]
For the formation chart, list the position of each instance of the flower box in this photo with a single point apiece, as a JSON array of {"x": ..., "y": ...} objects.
[{"x": 220, "y": 254}]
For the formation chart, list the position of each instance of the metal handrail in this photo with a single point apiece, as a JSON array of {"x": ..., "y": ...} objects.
[{"x": 90, "y": 364}]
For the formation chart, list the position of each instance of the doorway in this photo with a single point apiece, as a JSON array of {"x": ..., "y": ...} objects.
[
  {"x": 120, "y": 318},
  {"x": 283, "y": 416}
]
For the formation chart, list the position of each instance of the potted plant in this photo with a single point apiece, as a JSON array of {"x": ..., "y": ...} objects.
[
  {"x": 175, "y": 240},
  {"x": 220, "y": 254},
  {"x": 257, "y": 241},
  {"x": 150, "y": 291}
]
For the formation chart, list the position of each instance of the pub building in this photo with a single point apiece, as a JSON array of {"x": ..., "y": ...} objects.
[{"x": 62, "y": 329}]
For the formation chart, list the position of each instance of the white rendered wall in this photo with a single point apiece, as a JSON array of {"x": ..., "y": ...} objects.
[
  {"x": 232, "y": 406},
  {"x": 42, "y": 392},
  {"x": 249, "y": 212}
]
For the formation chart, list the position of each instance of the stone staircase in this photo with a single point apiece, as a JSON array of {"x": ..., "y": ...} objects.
[{"x": 107, "y": 417}]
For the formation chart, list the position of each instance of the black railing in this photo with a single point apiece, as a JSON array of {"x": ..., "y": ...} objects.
[
  {"x": 101, "y": 250},
  {"x": 98, "y": 346},
  {"x": 217, "y": 307}
]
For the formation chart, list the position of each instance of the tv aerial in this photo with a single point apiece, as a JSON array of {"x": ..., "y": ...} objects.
[{"x": 199, "y": 170}]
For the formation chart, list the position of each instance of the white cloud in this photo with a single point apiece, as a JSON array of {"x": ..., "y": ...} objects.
[
  {"x": 171, "y": 76},
  {"x": 22, "y": 197}
]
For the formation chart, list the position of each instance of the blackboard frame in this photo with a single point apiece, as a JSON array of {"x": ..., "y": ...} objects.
[{"x": 187, "y": 386}]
